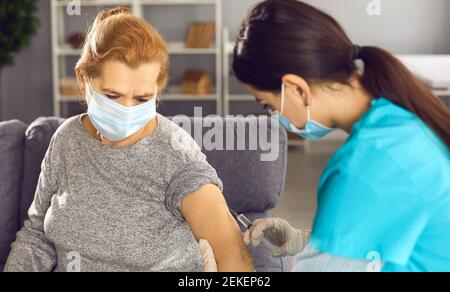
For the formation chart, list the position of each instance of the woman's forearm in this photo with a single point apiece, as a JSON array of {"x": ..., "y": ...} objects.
[{"x": 235, "y": 258}]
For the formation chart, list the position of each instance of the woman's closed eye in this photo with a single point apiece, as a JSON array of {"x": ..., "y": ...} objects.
[
  {"x": 144, "y": 99},
  {"x": 139, "y": 99},
  {"x": 268, "y": 108},
  {"x": 112, "y": 96}
]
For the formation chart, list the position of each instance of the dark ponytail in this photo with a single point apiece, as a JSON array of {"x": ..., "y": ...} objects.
[
  {"x": 288, "y": 36},
  {"x": 384, "y": 75}
]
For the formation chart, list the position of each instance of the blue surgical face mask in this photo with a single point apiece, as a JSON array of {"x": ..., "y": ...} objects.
[
  {"x": 313, "y": 130},
  {"x": 115, "y": 121}
]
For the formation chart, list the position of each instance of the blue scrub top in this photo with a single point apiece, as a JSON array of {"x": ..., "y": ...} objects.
[{"x": 387, "y": 190}]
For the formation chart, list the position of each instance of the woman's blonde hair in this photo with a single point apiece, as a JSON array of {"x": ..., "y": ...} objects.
[{"x": 117, "y": 34}]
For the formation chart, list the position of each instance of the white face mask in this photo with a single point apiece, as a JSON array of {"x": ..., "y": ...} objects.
[
  {"x": 115, "y": 121},
  {"x": 313, "y": 130}
]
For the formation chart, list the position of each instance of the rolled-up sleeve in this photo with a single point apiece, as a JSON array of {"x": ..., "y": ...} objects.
[{"x": 187, "y": 180}]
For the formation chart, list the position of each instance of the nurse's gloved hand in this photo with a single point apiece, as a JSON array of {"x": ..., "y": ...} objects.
[{"x": 283, "y": 238}]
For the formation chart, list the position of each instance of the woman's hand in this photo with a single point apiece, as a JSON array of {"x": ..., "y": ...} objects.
[
  {"x": 286, "y": 240},
  {"x": 209, "y": 260}
]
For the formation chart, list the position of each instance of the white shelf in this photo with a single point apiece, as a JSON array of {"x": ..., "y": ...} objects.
[
  {"x": 69, "y": 98},
  {"x": 241, "y": 97},
  {"x": 67, "y": 50},
  {"x": 178, "y": 2},
  {"x": 96, "y": 3},
  {"x": 175, "y": 48},
  {"x": 142, "y": 2},
  {"x": 442, "y": 93},
  {"x": 173, "y": 93},
  {"x": 63, "y": 3},
  {"x": 179, "y": 48},
  {"x": 229, "y": 47},
  {"x": 433, "y": 70}
]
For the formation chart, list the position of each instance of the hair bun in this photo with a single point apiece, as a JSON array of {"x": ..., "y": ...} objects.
[{"x": 104, "y": 14}]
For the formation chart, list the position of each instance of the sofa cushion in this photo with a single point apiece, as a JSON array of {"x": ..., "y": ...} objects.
[
  {"x": 250, "y": 184},
  {"x": 11, "y": 153},
  {"x": 37, "y": 140}
]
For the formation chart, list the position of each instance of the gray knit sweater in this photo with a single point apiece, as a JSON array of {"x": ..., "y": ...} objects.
[{"x": 104, "y": 208}]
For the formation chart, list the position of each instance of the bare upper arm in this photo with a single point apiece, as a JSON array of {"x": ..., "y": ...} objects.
[{"x": 208, "y": 216}]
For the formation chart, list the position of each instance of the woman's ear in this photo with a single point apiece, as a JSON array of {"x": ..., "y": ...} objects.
[
  {"x": 81, "y": 81},
  {"x": 300, "y": 85}
]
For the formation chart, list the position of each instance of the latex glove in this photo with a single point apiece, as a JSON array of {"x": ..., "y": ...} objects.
[
  {"x": 285, "y": 240},
  {"x": 209, "y": 260}
]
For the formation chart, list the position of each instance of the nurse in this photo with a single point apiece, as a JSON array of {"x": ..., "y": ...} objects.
[{"x": 384, "y": 197}]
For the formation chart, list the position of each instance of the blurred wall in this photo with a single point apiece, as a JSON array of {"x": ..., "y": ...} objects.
[
  {"x": 26, "y": 87},
  {"x": 404, "y": 26}
]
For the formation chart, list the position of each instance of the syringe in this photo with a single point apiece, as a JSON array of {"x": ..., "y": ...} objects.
[{"x": 247, "y": 224}]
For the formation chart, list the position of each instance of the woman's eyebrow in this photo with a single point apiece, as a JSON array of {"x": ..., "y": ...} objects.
[
  {"x": 150, "y": 94},
  {"x": 104, "y": 89}
]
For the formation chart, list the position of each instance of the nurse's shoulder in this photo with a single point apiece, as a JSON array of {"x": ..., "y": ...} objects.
[{"x": 388, "y": 140}]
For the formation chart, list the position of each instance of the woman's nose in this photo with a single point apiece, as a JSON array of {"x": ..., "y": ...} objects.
[{"x": 128, "y": 101}]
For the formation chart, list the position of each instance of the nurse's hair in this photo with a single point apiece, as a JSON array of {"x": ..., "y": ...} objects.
[
  {"x": 117, "y": 34},
  {"x": 280, "y": 37}
]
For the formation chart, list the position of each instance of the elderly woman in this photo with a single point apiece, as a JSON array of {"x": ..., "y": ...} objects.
[{"x": 115, "y": 189}]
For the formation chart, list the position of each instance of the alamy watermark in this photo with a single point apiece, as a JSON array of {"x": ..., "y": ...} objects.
[
  {"x": 374, "y": 8},
  {"x": 249, "y": 133},
  {"x": 74, "y": 8},
  {"x": 74, "y": 262},
  {"x": 375, "y": 263}
]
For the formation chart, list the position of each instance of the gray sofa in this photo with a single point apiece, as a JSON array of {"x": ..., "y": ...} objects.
[{"x": 250, "y": 186}]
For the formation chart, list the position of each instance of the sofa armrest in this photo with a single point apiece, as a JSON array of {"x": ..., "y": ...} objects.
[{"x": 11, "y": 156}]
